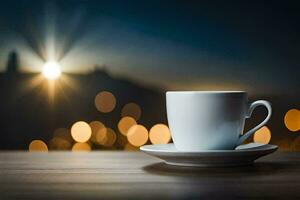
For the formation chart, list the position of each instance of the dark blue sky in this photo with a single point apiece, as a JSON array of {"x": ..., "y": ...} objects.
[{"x": 251, "y": 45}]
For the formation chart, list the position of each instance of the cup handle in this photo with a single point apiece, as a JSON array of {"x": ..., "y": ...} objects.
[{"x": 253, "y": 105}]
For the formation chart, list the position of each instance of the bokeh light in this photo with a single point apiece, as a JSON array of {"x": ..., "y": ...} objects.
[
  {"x": 111, "y": 137},
  {"x": 96, "y": 126},
  {"x": 263, "y": 135},
  {"x": 58, "y": 143},
  {"x": 101, "y": 136},
  {"x": 63, "y": 133},
  {"x": 137, "y": 135},
  {"x": 296, "y": 144},
  {"x": 81, "y": 131},
  {"x": 160, "y": 134},
  {"x": 129, "y": 147},
  {"x": 62, "y": 140},
  {"x": 84, "y": 147},
  {"x": 292, "y": 120},
  {"x": 122, "y": 140},
  {"x": 105, "y": 101},
  {"x": 38, "y": 145},
  {"x": 132, "y": 110},
  {"x": 51, "y": 70},
  {"x": 125, "y": 124},
  {"x": 284, "y": 143}
]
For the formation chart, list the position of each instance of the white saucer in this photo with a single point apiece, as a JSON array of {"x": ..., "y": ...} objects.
[{"x": 242, "y": 155}]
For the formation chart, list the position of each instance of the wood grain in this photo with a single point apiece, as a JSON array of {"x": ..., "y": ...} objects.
[{"x": 134, "y": 175}]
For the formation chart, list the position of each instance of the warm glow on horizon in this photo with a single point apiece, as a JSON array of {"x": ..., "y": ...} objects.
[
  {"x": 52, "y": 89},
  {"x": 81, "y": 131},
  {"x": 292, "y": 120},
  {"x": 51, "y": 70},
  {"x": 263, "y": 135}
]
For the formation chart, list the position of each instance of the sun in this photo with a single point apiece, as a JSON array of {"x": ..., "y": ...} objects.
[{"x": 51, "y": 70}]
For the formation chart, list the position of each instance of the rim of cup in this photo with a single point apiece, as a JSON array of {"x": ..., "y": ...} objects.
[{"x": 208, "y": 92}]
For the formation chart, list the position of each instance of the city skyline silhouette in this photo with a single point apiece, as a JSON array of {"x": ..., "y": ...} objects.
[{"x": 30, "y": 113}]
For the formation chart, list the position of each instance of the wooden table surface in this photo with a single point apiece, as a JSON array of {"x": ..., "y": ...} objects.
[{"x": 128, "y": 175}]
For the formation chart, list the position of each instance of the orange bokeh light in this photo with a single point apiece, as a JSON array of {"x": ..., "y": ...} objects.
[
  {"x": 101, "y": 136},
  {"x": 64, "y": 134},
  {"x": 58, "y": 143},
  {"x": 111, "y": 137},
  {"x": 129, "y": 147},
  {"x": 137, "y": 135},
  {"x": 96, "y": 126},
  {"x": 125, "y": 124},
  {"x": 38, "y": 145},
  {"x": 105, "y": 101},
  {"x": 160, "y": 134},
  {"x": 81, "y": 131},
  {"x": 122, "y": 140},
  {"x": 263, "y": 135},
  {"x": 84, "y": 147},
  {"x": 292, "y": 120},
  {"x": 132, "y": 110}
]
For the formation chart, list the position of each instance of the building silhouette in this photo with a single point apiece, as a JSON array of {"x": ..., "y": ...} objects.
[{"x": 12, "y": 66}]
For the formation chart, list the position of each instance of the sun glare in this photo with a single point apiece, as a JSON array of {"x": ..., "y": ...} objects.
[{"x": 51, "y": 70}]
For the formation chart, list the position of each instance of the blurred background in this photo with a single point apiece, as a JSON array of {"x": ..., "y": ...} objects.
[{"x": 91, "y": 75}]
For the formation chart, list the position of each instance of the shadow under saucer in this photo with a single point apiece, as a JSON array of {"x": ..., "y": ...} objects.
[{"x": 256, "y": 169}]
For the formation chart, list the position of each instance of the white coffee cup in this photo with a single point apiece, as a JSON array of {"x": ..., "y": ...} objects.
[{"x": 210, "y": 120}]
